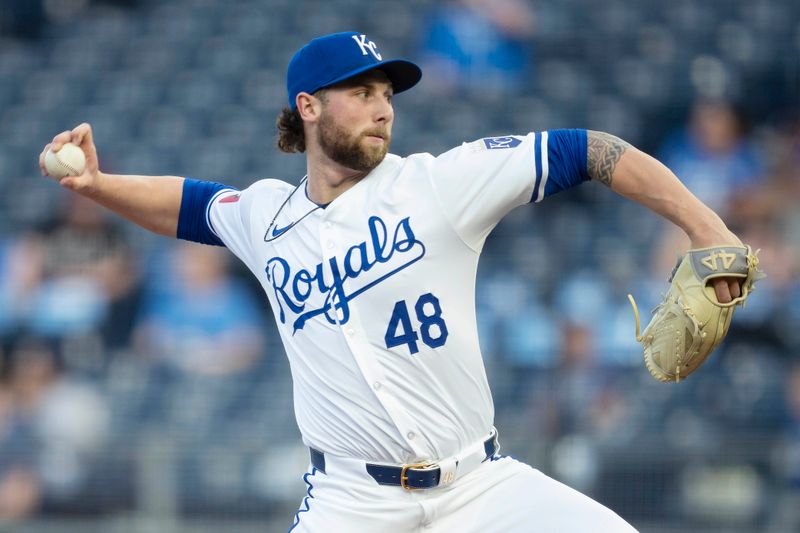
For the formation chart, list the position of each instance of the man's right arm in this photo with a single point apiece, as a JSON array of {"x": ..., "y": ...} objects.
[{"x": 153, "y": 202}]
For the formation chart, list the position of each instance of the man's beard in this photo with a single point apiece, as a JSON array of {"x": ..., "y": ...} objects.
[{"x": 348, "y": 150}]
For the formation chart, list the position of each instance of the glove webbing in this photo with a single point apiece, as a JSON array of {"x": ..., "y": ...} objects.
[{"x": 677, "y": 308}]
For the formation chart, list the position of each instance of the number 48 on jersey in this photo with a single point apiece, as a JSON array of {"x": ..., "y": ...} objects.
[{"x": 429, "y": 319}]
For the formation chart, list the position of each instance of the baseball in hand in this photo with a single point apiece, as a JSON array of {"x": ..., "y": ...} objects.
[{"x": 68, "y": 161}]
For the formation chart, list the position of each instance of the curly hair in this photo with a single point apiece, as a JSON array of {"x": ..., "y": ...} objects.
[{"x": 291, "y": 136}]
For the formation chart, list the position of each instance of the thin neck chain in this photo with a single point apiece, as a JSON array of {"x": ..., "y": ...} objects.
[{"x": 270, "y": 235}]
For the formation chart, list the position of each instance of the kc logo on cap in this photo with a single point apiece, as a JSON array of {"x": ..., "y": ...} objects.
[
  {"x": 366, "y": 45},
  {"x": 331, "y": 59}
]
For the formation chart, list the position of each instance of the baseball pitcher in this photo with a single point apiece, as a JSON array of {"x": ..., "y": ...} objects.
[{"x": 370, "y": 264}]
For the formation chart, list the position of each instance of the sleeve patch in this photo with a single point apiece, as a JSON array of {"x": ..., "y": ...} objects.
[
  {"x": 230, "y": 199},
  {"x": 501, "y": 143}
]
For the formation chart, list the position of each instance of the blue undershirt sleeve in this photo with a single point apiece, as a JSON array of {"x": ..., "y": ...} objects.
[
  {"x": 566, "y": 156},
  {"x": 192, "y": 221}
]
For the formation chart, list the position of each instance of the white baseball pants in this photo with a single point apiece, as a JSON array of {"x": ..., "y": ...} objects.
[{"x": 501, "y": 495}]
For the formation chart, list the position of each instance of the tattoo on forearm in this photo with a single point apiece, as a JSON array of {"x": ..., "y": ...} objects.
[{"x": 603, "y": 153}]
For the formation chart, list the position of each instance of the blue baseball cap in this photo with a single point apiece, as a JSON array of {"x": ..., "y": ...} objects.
[{"x": 327, "y": 60}]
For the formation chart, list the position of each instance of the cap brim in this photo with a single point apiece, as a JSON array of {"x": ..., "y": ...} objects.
[{"x": 402, "y": 73}]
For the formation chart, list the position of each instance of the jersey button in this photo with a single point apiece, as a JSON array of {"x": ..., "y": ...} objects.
[
  {"x": 411, "y": 435},
  {"x": 351, "y": 332},
  {"x": 330, "y": 244},
  {"x": 328, "y": 225},
  {"x": 376, "y": 385}
]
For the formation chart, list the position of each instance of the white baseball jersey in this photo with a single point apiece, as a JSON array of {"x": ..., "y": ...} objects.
[{"x": 374, "y": 294}]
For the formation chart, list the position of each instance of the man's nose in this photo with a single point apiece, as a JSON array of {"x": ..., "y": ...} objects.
[{"x": 385, "y": 112}]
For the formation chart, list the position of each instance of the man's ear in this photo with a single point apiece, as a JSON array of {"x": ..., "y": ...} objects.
[{"x": 309, "y": 107}]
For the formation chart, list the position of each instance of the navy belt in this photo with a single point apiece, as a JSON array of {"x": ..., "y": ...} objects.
[{"x": 411, "y": 476}]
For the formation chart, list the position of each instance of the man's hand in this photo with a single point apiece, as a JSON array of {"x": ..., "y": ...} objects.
[
  {"x": 690, "y": 322},
  {"x": 81, "y": 136},
  {"x": 726, "y": 288},
  {"x": 153, "y": 202}
]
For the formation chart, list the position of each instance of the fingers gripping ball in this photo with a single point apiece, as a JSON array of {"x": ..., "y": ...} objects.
[
  {"x": 68, "y": 161},
  {"x": 690, "y": 322}
]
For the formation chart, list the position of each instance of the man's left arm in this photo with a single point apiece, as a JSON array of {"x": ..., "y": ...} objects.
[{"x": 643, "y": 179}]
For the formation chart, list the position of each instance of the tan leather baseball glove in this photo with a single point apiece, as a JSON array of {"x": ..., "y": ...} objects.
[{"x": 690, "y": 322}]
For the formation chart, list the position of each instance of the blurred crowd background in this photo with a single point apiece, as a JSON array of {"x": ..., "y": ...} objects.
[{"x": 143, "y": 386}]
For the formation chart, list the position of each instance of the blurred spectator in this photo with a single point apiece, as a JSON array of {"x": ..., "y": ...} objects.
[
  {"x": 716, "y": 160},
  {"x": 478, "y": 46},
  {"x": 51, "y": 429},
  {"x": 198, "y": 319},
  {"x": 792, "y": 397},
  {"x": 75, "y": 276},
  {"x": 68, "y": 419},
  {"x": 20, "y": 486},
  {"x": 586, "y": 400},
  {"x": 786, "y": 515},
  {"x": 585, "y": 296},
  {"x": 773, "y": 208},
  {"x": 713, "y": 156},
  {"x": 578, "y": 396},
  {"x": 779, "y": 207}
]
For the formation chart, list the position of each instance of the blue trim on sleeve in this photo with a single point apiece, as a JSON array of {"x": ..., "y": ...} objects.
[
  {"x": 566, "y": 156},
  {"x": 537, "y": 156},
  {"x": 192, "y": 222}
]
